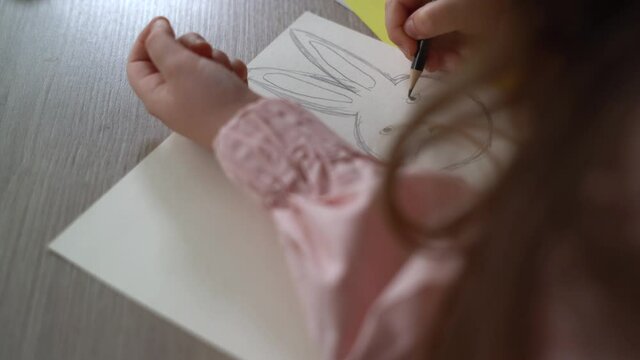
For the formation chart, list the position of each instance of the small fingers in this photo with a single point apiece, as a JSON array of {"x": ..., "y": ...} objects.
[
  {"x": 444, "y": 53},
  {"x": 166, "y": 53},
  {"x": 240, "y": 69},
  {"x": 141, "y": 72},
  {"x": 196, "y": 43},
  {"x": 221, "y": 58},
  {"x": 397, "y": 12},
  {"x": 139, "y": 50},
  {"x": 434, "y": 19},
  {"x": 451, "y": 61}
]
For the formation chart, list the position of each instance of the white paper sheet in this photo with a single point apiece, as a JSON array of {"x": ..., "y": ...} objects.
[{"x": 177, "y": 237}]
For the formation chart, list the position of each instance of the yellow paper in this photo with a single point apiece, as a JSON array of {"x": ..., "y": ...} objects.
[{"x": 371, "y": 12}]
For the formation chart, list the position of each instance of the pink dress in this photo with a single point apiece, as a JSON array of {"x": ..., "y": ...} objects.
[{"x": 365, "y": 295}]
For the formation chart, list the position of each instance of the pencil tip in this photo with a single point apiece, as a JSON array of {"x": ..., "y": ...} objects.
[{"x": 409, "y": 96}]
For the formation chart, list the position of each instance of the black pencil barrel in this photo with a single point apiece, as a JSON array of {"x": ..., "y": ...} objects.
[{"x": 420, "y": 60}]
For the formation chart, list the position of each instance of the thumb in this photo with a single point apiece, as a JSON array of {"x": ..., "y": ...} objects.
[{"x": 434, "y": 19}]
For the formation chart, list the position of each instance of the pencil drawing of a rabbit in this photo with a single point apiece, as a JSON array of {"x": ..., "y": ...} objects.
[{"x": 351, "y": 87}]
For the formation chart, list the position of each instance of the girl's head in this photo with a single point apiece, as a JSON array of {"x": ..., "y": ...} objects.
[{"x": 559, "y": 230}]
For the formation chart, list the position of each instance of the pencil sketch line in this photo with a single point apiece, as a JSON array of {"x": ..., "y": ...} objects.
[
  {"x": 486, "y": 145},
  {"x": 309, "y": 56},
  {"x": 373, "y": 81},
  {"x": 263, "y": 81},
  {"x": 267, "y": 76},
  {"x": 360, "y": 141}
]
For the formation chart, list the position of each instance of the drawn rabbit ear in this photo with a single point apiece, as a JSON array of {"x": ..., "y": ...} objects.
[
  {"x": 314, "y": 91},
  {"x": 337, "y": 62}
]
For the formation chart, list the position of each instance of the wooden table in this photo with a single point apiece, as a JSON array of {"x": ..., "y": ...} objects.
[{"x": 70, "y": 128}]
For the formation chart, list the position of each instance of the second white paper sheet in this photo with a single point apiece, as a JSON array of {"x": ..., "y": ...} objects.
[{"x": 178, "y": 238}]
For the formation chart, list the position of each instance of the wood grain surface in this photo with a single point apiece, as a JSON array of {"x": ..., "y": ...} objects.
[{"x": 70, "y": 128}]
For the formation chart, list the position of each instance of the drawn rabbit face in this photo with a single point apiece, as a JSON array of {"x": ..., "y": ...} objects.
[{"x": 351, "y": 87}]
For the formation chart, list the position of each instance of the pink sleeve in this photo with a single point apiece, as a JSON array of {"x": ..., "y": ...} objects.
[{"x": 365, "y": 294}]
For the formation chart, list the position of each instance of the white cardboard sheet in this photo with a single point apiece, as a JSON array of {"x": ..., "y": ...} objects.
[{"x": 177, "y": 237}]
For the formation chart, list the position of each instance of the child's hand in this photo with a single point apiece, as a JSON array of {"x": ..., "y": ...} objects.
[
  {"x": 192, "y": 88},
  {"x": 454, "y": 26}
]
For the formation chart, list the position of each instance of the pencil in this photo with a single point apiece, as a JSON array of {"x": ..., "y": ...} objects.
[{"x": 419, "y": 61}]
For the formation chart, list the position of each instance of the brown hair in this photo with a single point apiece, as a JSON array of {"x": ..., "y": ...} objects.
[{"x": 565, "y": 210}]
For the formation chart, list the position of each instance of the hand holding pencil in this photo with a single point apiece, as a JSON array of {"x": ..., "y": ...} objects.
[{"x": 454, "y": 28}]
